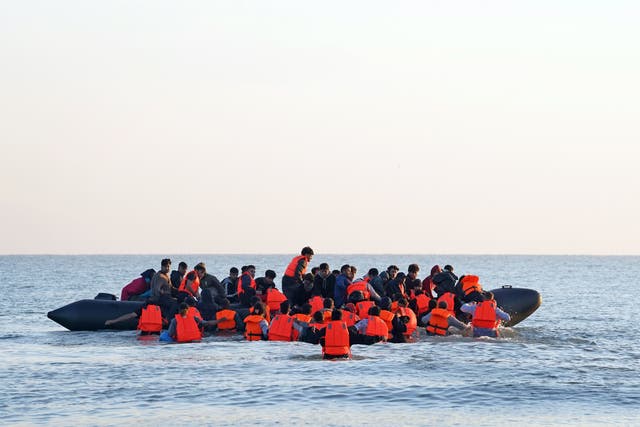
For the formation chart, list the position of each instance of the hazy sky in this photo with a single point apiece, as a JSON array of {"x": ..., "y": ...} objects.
[{"x": 365, "y": 126}]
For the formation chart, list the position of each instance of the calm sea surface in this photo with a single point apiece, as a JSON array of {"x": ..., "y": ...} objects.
[{"x": 576, "y": 361}]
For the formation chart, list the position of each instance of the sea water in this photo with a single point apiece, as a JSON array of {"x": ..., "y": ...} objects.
[{"x": 575, "y": 361}]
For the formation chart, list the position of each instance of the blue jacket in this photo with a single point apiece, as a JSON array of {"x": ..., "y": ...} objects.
[{"x": 340, "y": 290}]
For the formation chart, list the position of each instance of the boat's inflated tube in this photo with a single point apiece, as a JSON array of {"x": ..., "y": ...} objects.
[{"x": 520, "y": 303}]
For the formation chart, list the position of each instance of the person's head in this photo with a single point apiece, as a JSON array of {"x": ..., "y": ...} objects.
[
  {"x": 350, "y": 307},
  {"x": 435, "y": 270},
  {"x": 374, "y": 311},
  {"x": 488, "y": 296},
  {"x": 251, "y": 269},
  {"x": 432, "y": 304},
  {"x": 401, "y": 278},
  {"x": 190, "y": 301},
  {"x": 327, "y": 303},
  {"x": 323, "y": 270},
  {"x": 165, "y": 265},
  {"x": 443, "y": 305},
  {"x": 269, "y": 275},
  {"x": 335, "y": 272},
  {"x": 183, "y": 309},
  {"x": 314, "y": 270},
  {"x": 373, "y": 272},
  {"x": 306, "y": 309},
  {"x": 147, "y": 275},
  {"x": 392, "y": 270},
  {"x": 356, "y": 296},
  {"x": 336, "y": 314},
  {"x": 402, "y": 302},
  {"x": 385, "y": 303},
  {"x": 258, "y": 309},
  {"x": 284, "y": 307},
  {"x": 225, "y": 304},
  {"x": 448, "y": 268},
  {"x": 200, "y": 269},
  {"x": 307, "y": 282},
  {"x": 413, "y": 271},
  {"x": 418, "y": 291},
  {"x": 307, "y": 252},
  {"x": 318, "y": 317},
  {"x": 243, "y": 269},
  {"x": 182, "y": 268},
  {"x": 254, "y": 299},
  {"x": 233, "y": 272},
  {"x": 345, "y": 269}
]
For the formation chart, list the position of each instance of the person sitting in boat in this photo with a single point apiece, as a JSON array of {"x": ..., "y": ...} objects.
[
  {"x": 161, "y": 290},
  {"x": 256, "y": 326},
  {"x": 373, "y": 325},
  {"x": 439, "y": 319},
  {"x": 211, "y": 282},
  {"x": 138, "y": 285},
  {"x": 190, "y": 285},
  {"x": 247, "y": 284},
  {"x": 324, "y": 282},
  {"x": 412, "y": 282},
  {"x": 342, "y": 283},
  {"x": 264, "y": 283},
  {"x": 293, "y": 276},
  {"x": 150, "y": 319},
  {"x": 177, "y": 276},
  {"x": 234, "y": 323},
  {"x": 445, "y": 281},
  {"x": 485, "y": 316},
  {"x": 185, "y": 327},
  {"x": 230, "y": 284}
]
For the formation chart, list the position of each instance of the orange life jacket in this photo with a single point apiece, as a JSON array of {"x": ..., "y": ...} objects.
[
  {"x": 240, "y": 290},
  {"x": 281, "y": 328},
  {"x": 291, "y": 268},
  {"x": 336, "y": 339},
  {"x": 363, "y": 308},
  {"x": 253, "y": 331},
  {"x": 361, "y": 286},
  {"x": 485, "y": 315},
  {"x": 195, "y": 284},
  {"x": 387, "y": 316},
  {"x": 470, "y": 284},
  {"x": 326, "y": 314},
  {"x": 317, "y": 303},
  {"x": 192, "y": 311},
  {"x": 350, "y": 318},
  {"x": 316, "y": 325},
  {"x": 438, "y": 322},
  {"x": 413, "y": 320},
  {"x": 394, "y": 305},
  {"x": 187, "y": 329},
  {"x": 450, "y": 299},
  {"x": 275, "y": 298},
  {"x": 150, "y": 319},
  {"x": 422, "y": 301},
  {"x": 376, "y": 327},
  {"x": 227, "y": 325}
]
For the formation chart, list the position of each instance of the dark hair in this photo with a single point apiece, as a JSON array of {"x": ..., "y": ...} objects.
[
  {"x": 182, "y": 264},
  {"x": 418, "y": 291},
  {"x": 323, "y": 266},
  {"x": 385, "y": 303},
  {"x": 318, "y": 316},
  {"x": 306, "y": 309},
  {"x": 413, "y": 268},
  {"x": 373, "y": 272},
  {"x": 284, "y": 307},
  {"x": 148, "y": 274},
  {"x": 165, "y": 262},
  {"x": 432, "y": 304},
  {"x": 258, "y": 308},
  {"x": 374, "y": 310},
  {"x": 448, "y": 267},
  {"x": 443, "y": 304},
  {"x": 306, "y": 251},
  {"x": 254, "y": 300},
  {"x": 327, "y": 303},
  {"x": 314, "y": 270},
  {"x": 243, "y": 268},
  {"x": 270, "y": 274},
  {"x": 335, "y": 272},
  {"x": 200, "y": 267},
  {"x": 336, "y": 314},
  {"x": 488, "y": 296},
  {"x": 183, "y": 308},
  {"x": 190, "y": 301},
  {"x": 233, "y": 270},
  {"x": 402, "y": 302},
  {"x": 251, "y": 266},
  {"x": 308, "y": 277},
  {"x": 393, "y": 267},
  {"x": 345, "y": 268}
]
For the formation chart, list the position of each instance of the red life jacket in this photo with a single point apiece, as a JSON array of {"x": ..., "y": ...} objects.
[
  {"x": 240, "y": 290},
  {"x": 227, "y": 325},
  {"x": 470, "y": 284},
  {"x": 274, "y": 299},
  {"x": 413, "y": 320},
  {"x": 485, "y": 315},
  {"x": 363, "y": 308},
  {"x": 438, "y": 322},
  {"x": 291, "y": 268},
  {"x": 336, "y": 339},
  {"x": 361, "y": 286},
  {"x": 253, "y": 331},
  {"x": 450, "y": 299},
  {"x": 281, "y": 328},
  {"x": 350, "y": 318},
  {"x": 318, "y": 326},
  {"x": 422, "y": 301},
  {"x": 376, "y": 327},
  {"x": 195, "y": 284},
  {"x": 192, "y": 311},
  {"x": 187, "y": 329},
  {"x": 387, "y": 317},
  {"x": 317, "y": 303},
  {"x": 150, "y": 319}
]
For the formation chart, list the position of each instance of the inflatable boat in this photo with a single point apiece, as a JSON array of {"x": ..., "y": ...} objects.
[{"x": 90, "y": 314}]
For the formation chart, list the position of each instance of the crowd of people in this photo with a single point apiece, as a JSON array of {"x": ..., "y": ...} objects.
[{"x": 333, "y": 308}]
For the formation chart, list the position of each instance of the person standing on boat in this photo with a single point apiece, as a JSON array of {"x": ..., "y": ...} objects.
[
  {"x": 292, "y": 280},
  {"x": 190, "y": 285},
  {"x": 161, "y": 290},
  {"x": 485, "y": 316},
  {"x": 230, "y": 284}
]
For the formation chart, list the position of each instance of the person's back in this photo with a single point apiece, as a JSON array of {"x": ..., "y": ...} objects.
[
  {"x": 138, "y": 285},
  {"x": 485, "y": 317},
  {"x": 336, "y": 341}
]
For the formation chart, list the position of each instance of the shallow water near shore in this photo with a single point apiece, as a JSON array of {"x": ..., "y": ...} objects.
[{"x": 576, "y": 361}]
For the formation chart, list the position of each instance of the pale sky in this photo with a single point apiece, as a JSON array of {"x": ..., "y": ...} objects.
[{"x": 437, "y": 127}]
